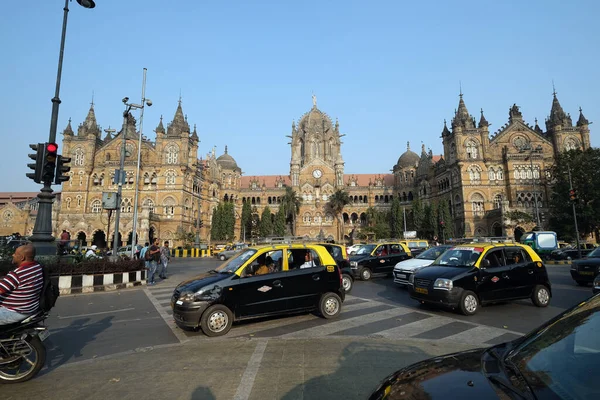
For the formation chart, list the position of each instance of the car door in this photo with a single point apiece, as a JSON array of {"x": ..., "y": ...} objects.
[
  {"x": 305, "y": 284},
  {"x": 261, "y": 294},
  {"x": 381, "y": 260},
  {"x": 522, "y": 271},
  {"x": 494, "y": 280}
]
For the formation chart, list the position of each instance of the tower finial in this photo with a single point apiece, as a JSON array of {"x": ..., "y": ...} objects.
[
  {"x": 407, "y": 146},
  {"x": 314, "y": 100},
  {"x": 180, "y": 96},
  {"x": 92, "y": 103},
  {"x": 225, "y": 149},
  {"x": 460, "y": 89},
  {"x": 553, "y": 89}
]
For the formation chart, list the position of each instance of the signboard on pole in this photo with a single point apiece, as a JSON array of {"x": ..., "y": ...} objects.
[
  {"x": 410, "y": 234},
  {"x": 109, "y": 200}
]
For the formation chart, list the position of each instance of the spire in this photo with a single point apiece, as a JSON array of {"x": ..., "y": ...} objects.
[
  {"x": 68, "y": 130},
  {"x": 514, "y": 113},
  {"x": 160, "y": 128},
  {"x": 423, "y": 151},
  {"x": 482, "y": 121},
  {"x": 225, "y": 149},
  {"x": 461, "y": 116},
  {"x": 557, "y": 114},
  {"x": 407, "y": 146},
  {"x": 109, "y": 133},
  {"x": 445, "y": 131},
  {"x": 179, "y": 123},
  {"x": 537, "y": 128},
  {"x": 195, "y": 134},
  {"x": 582, "y": 120},
  {"x": 89, "y": 126}
]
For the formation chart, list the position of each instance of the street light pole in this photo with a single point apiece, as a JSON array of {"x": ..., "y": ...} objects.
[
  {"x": 574, "y": 215},
  {"x": 137, "y": 172},
  {"x": 120, "y": 177},
  {"x": 42, "y": 237}
]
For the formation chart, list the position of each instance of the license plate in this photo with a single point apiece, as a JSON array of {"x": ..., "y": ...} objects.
[
  {"x": 421, "y": 290},
  {"x": 179, "y": 302},
  {"x": 43, "y": 335},
  {"x": 586, "y": 273},
  {"x": 401, "y": 276}
]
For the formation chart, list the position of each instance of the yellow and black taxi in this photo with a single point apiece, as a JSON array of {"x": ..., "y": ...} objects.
[
  {"x": 584, "y": 270},
  {"x": 470, "y": 275},
  {"x": 558, "y": 360},
  {"x": 258, "y": 282},
  {"x": 377, "y": 258},
  {"x": 340, "y": 255}
]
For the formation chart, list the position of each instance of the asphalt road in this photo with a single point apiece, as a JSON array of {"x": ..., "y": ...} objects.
[{"x": 116, "y": 330}]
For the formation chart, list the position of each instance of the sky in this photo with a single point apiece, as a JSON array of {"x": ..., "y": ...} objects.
[{"x": 390, "y": 71}]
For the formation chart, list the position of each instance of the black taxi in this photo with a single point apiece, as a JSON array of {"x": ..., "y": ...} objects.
[
  {"x": 258, "y": 282},
  {"x": 378, "y": 258},
  {"x": 469, "y": 275}
]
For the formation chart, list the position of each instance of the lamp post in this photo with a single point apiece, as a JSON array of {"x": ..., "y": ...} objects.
[
  {"x": 574, "y": 214},
  {"x": 532, "y": 150},
  {"x": 140, "y": 106},
  {"x": 42, "y": 231}
]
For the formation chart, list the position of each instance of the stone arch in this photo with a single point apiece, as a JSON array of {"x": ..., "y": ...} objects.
[
  {"x": 354, "y": 218},
  {"x": 99, "y": 238},
  {"x": 82, "y": 237},
  {"x": 346, "y": 218},
  {"x": 363, "y": 218},
  {"x": 496, "y": 229},
  {"x": 479, "y": 231}
]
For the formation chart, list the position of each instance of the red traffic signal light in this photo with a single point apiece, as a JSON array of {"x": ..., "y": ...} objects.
[
  {"x": 572, "y": 195},
  {"x": 51, "y": 147}
]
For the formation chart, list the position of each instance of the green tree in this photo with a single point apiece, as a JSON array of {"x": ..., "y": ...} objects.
[
  {"x": 585, "y": 175},
  {"x": 445, "y": 221},
  {"x": 279, "y": 226},
  {"x": 215, "y": 225},
  {"x": 429, "y": 226},
  {"x": 417, "y": 215},
  {"x": 246, "y": 221},
  {"x": 291, "y": 204},
  {"x": 396, "y": 219},
  {"x": 254, "y": 224},
  {"x": 229, "y": 221},
  {"x": 186, "y": 238},
  {"x": 266, "y": 222},
  {"x": 337, "y": 202}
]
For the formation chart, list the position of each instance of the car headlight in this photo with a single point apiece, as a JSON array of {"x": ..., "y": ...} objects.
[
  {"x": 353, "y": 264},
  {"x": 411, "y": 279},
  {"x": 597, "y": 281},
  {"x": 191, "y": 296},
  {"x": 442, "y": 283}
]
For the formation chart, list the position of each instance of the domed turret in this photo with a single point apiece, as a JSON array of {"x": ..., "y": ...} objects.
[
  {"x": 408, "y": 159},
  {"x": 225, "y": 161}
]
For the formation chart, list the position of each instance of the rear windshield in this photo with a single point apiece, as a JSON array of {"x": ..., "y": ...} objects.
[{"x": 460, "y": 257}]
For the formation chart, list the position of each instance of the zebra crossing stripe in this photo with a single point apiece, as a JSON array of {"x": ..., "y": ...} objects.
[
  {"x": 414, "y": 328},
  {"x": 480, "y": 333}
]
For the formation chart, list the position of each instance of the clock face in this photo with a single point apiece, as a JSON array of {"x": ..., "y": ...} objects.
[{"x": 317, "y": 173}]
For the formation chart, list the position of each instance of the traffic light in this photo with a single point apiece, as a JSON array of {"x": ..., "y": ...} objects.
[
  {"x": 49, "y": 162},
  {"x": 38, "y": 157},
  {"x": 573, "y": 195},
  {"x": 61, "y": 170}
]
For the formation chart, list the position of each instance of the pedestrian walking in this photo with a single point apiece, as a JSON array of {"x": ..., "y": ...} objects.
[
  {"x": 165, "y": 257},
  {"x": 154, "y": 256},
  {"x": 143, "y": 255}
]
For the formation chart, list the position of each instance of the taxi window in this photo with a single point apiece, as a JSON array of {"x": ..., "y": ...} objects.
[
  {"x": 460, "y": 257},
  {"x": 515, "y": 255},
  {"x": 382, "y": 251},
  {"x": 303, "y": 258},
  {"x": 335, "y": 252},
  {"x": 395, "y": 249},
  {"x": 496, "y": 258},
  {"x": 266, "y": 263}
]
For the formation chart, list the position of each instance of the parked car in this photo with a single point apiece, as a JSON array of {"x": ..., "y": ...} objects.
[
  {"x": 558, "y": 360},
  {"x": 416, "y": 246},
  {"x": 404, "y": 269},
  {"x": 583, "y": 271},
  {"x": 377, "y": 258},
  {"x": 351, "y": 250},
  {"x": 238, "y": 289},
  {"x": 230, "y": 251},
  {"x": 568, "y": 254},
  {"x": 468, "y": 276}
]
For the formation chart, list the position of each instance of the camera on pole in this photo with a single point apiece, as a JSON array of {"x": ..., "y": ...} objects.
[{"x": 38, "y": 157}]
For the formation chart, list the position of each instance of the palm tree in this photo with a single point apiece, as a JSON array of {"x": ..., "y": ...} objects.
[
  {"x": 336, "y": 203},
  {"x": 291, "y": 204}
]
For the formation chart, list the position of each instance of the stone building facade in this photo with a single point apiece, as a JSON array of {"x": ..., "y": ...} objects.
[{"x": 481, "y": 175}]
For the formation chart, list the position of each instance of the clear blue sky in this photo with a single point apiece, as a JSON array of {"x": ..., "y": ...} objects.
[{"x": 389, "y": 70}]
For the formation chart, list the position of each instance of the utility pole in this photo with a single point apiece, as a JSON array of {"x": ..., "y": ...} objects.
[
  {"x": 574, "y": 215},
  {"x": 120, "y": 177}
]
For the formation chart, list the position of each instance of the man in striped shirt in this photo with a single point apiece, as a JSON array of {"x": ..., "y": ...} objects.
[{"x": 20, "y": 290}]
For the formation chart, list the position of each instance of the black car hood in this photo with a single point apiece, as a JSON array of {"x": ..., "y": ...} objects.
[
  {"x": 456, "y": 375},
  {"x": 587, "y": 261},
  {"x": 198, "y": 282},
  {"x": 436, "y": 271}
]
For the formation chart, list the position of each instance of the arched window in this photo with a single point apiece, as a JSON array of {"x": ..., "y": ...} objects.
[
  {"x": 150, "y": 204},
  {"x": 474, "y": 174},
  {"x": 172, "y": 153},
  {"x": 571, "y": 144},
  {"x": 492, "y": 174},
  {"x": 126, "y": 206},
  {"x": 452, "y": 151},
  {"x": 169, "y": 207},
  {"x": 329, "y": 217},
  {"x": 477, "y": 204},
  {"x": 170, "y": 177},
  {"x": 498, "y": 201},
  {"x": 306, "y": 218},
  {"x": 78, "y": 157},
  {"x": 472, "y": 149},
  {"x": 78, "y": 197},
  {"x": 499, "y": 174},
  {"x": 96, "y": 206},
  {"x": 68, "y": 203}
]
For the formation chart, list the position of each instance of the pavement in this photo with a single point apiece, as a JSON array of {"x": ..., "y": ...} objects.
[{"x": 125, "y": 344}]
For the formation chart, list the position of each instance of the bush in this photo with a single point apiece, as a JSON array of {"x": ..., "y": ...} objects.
[{"x": 69, "y": 266}]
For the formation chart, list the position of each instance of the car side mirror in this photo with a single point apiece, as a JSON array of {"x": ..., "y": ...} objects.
[{"x": 485, "y": 263}]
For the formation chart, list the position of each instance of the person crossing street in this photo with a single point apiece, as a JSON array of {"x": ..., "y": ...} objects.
[{"x": 165, "y": 257}]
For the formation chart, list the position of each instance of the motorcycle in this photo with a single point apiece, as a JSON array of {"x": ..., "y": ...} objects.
[{"x": 22, "y": 351}]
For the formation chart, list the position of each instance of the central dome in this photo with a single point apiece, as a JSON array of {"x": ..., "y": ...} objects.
[
  {"x": 225, "y": 161},
  {"x": 408, "y": 159}
]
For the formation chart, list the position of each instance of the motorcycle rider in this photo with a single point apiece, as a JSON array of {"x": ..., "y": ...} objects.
[{"x": 21, "y": 288}]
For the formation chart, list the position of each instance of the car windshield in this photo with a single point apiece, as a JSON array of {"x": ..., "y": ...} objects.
[
  {"x": 563, "y": 357},
  {"x": 232, "y": 265},
  {"x": 459, "y": 257},
  {"x": 366, "y": 249},
  {"x": 432, "y": 253},
  {"x": 595, "y": 253}
]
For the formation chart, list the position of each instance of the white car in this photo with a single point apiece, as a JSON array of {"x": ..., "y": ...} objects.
[
  {"x": 353, "y": 249},
  {"x": 404, "y": 269}
]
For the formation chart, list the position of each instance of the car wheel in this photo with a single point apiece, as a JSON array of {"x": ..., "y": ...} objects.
[
  {"x": 469, "y": 303},
  {"x": 216, "y": 320},
  {"x": 365, "y": 274},
  {"x": 222, "y": 258},
  {"x": 330, "y": 305},
  {"x": 582, "y": 283},
  {"x": 540, "y": 296},
  {"x": 347, "y": 282}
]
